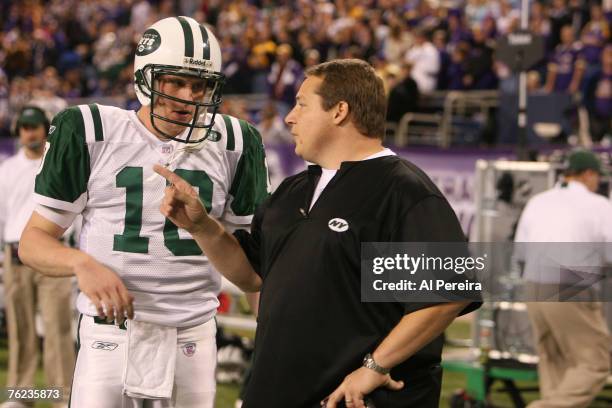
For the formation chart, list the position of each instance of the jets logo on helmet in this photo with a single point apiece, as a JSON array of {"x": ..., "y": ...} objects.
[
  {"x": 180, "y": 47},
  {"x": 149, "y": 42}
]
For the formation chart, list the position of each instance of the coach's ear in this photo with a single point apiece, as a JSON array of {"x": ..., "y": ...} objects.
[{"x": 341, "y": 112}]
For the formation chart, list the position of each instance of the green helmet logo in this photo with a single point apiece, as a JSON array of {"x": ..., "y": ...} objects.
[{"x": 149, "y": 42}]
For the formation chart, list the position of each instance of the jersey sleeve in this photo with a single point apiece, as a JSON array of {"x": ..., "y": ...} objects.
[
  {"x": 62, "y": 179},
  {"x": 249, "y": 186}
]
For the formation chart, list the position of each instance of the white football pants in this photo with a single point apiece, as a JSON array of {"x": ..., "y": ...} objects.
[{"x": 100, "y": 366}]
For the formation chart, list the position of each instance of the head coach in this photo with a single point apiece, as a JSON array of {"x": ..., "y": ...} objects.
[{"x": 317, "y": 343}]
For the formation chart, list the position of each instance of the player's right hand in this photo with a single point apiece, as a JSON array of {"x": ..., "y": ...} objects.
[
  {"x": 105, "y": 290},
  {"x": 181, "y": 203}
]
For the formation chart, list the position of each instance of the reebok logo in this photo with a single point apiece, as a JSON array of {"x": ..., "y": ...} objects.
[
  {"x": 338, "y": 225},
  {"x": 104, "y": 345}
]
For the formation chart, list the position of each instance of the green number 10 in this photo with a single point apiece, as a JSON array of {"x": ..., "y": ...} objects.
[{"x": 131, "y": 179}]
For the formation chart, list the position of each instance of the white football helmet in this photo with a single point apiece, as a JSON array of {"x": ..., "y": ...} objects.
[{"x": 180, "y": 46}]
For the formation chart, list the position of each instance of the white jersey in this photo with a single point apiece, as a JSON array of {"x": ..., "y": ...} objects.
[{"x": 99, "y": 162}]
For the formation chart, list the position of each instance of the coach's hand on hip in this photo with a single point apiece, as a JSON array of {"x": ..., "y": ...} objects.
[
  {"x": 181, "y": 203},
  {"x": 357, "y": 385}
]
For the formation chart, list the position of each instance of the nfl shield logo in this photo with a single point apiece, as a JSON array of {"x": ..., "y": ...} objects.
[{"x": 189, "y": 349}]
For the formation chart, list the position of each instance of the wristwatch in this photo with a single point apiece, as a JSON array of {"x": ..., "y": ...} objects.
[{"x": 369, "y": 362}]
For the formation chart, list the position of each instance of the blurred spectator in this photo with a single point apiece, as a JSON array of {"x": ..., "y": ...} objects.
[
  {"x": 4, "y": 102},
  {"x": 397, "y": 43},
  {"x": 305, "y": 42},
  {"x": 285, "y": 78},
  {"x": 534, "y": 83},
  {"x": 560, "y": 16},
  {"x": 580, "y": 11},
  {"x": 457, "y": 32},
  {"x": 479, "y": 63},
  {"x": 456, "y": 70},
  {"x": 378, "y": 27},
  {"x": 260, "y": 59},
  {"x": 140, "y": 15},
  {"x": 403, "y": 97},
  {"x": 235, "y": 107},
  {"x": 477, "y": 10},
  {"x": 598, "y": 98},
  {"x": 19, "y": 94},
  {"x": 363, "y": 40},
  {"x": 272, "y": 127},
  {"x": 46, "y": 96},
  {"x": 509, "y": 17},
  {"x": 439, "y": 41},
  {"x": 233, "y": 56},
  {"x": 566, "y": 67},
  {"x": 18, "y": 59},
  {"x": 539, "y": 24},
  {"x": 110, "y": 52},
  {"x": 489, "y": 28},
  {"x": 386, "y": 72},
  {"x": 425, "y": 62},
  {"x": 594, "y": 36},
  {"x": 311, "y": 57}
]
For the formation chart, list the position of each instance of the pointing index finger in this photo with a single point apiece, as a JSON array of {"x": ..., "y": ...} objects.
[{"x": 167, "y": 174}]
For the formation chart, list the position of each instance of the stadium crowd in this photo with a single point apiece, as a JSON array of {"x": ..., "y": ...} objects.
[{"x": 54, "y": 50}]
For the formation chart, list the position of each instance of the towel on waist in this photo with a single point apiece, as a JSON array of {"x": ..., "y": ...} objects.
[{"x": 151, "y": 360}]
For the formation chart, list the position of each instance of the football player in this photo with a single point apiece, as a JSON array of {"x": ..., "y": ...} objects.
[{"x": 133, "y": 263}]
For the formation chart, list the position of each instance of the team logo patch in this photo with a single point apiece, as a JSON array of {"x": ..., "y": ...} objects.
[
  {"x": 150, "y": 41},
  {"x": 338, "y": 225},
  {"x": 189, "y": 349},
  {"x": 214, "y": 136},
  {"x": 52, "y": 129},
  {"x": 104, "y": 345}
]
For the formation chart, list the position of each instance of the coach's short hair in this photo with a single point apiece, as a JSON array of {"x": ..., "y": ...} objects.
[{"x": 355, "y": 82}]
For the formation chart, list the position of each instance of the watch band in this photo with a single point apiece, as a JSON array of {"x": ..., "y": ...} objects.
[{"x": 369, "y": 362}]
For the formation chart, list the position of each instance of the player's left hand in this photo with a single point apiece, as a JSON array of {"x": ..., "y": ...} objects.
[
  {"x": 358, "y": 384},
  {"x": 181, "y": 203}
]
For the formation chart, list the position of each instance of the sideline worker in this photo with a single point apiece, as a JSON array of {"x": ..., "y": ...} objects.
[
  {"x": 26, "y": 290},
  {"x": 571, "y": 338}
]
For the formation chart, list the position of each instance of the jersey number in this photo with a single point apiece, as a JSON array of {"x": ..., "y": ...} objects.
[{"x": 131, "y": 179}]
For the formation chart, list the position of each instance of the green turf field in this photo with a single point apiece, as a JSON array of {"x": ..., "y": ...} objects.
[{"x": 227, "y": 394}]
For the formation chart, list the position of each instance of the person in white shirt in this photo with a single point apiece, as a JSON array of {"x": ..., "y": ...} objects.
[
  {"x": 425, "y": 61},
  {"x": 572, "y": 338},
  {"x": 25, "y": 289}
]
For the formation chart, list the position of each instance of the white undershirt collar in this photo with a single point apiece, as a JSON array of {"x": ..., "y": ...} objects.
[{"x": 328, "y": 174}]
